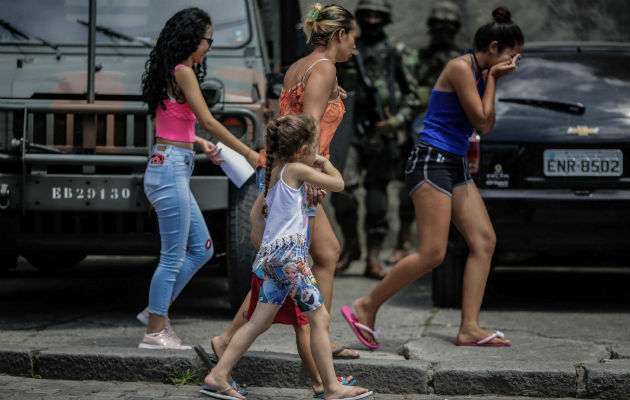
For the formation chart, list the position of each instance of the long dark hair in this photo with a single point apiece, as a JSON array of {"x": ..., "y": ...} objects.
[
  {"x": 501, "y": 29},
  {"x": 285, "y": 136},
  {"x": 179, "y": 38}
]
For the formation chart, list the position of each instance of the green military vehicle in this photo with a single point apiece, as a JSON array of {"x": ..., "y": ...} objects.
[{"x": 75, "y": 137}]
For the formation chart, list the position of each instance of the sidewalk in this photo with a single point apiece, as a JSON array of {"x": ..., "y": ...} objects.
[{"x": 555, "y": 353}]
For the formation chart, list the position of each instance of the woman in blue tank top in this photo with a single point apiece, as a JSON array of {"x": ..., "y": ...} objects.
[{"x": 440, "y": 185}]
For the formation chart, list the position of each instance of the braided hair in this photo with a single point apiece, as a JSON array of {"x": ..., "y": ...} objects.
[
  {"x": 178, "y": 39},
  {"x": 285, "y": 136}
]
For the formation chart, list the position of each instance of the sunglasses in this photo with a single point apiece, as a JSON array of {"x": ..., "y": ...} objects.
[{"x": 209, "y": 40}]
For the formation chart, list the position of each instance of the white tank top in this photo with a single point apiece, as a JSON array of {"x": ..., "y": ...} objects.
[{"x": 287, "y": 219}]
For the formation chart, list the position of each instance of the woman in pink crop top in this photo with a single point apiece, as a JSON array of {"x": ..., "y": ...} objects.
[{"x": 170, "y": 87}]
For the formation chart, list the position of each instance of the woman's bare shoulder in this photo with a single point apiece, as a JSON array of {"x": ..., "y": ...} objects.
[
  {"x": 457, "y": 64},
  {"x": 324, "y": 72}
]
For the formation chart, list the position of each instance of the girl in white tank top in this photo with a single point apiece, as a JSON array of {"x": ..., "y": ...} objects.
[{"x": 282, "y": 262}]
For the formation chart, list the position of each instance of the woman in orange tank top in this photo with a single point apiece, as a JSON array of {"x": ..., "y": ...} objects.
[{"x": 310, "y": 86}]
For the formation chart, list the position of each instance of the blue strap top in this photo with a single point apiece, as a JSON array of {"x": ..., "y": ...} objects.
[{"x": 446, "y": 125}]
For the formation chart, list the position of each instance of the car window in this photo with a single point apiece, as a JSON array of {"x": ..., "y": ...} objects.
[
  {"x": 600, "y": 81},
  {"x": 55, "y": 21}
]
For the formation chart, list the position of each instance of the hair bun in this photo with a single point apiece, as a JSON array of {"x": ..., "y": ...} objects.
[
  {"x": 316, "y": 9},
  {"x": 502, "y": 15}
]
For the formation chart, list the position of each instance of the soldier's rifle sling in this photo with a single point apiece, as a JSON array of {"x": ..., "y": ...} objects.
[{"x": 367, "y": 82}]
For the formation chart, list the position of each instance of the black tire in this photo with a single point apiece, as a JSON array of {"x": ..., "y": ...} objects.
[
  {"x": 240, "y": 250},
  {"x": 447, "y": 278},
  {"x": 51, "y": 261},
  {"x": 8, "y": 261}
]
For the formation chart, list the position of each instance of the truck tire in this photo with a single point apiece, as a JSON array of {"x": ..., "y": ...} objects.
[
  {"x": 447, "y": 278},
  {"x": 8, "y": 261},
  {"x": 51, "y": 261},
  {"x": 240, "y": 250}
]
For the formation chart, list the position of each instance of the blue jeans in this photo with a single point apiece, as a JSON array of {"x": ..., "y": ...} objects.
[{"x": 186, "y": 244}]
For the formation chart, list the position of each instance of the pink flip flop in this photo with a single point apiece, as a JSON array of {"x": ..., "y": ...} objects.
[
  {"x": 356, "y": 325},
  {"x": 485, "y": 341}
]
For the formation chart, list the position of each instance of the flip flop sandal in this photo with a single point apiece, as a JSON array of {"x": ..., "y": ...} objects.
[
  {"x": 485, "y": 341},
  {"x": 337, "y": 354},
  {"x": 210, "y": 363},
  {"x": 361, "y": 396},
  {"x": 342, "y": 380},
  {"x": 204, "y": 356},
  {"x": 356, "y": 325},
  {"x": 345, "y": 382},
  {"x": 238, "y": 388},
  {"x": 218, "y": 394}
]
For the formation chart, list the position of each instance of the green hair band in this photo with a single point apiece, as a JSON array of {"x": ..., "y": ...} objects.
[{"x": 313, "y": 14}]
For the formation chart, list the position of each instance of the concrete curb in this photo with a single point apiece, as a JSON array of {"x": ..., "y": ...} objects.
[{"x": 609, "y": 380}]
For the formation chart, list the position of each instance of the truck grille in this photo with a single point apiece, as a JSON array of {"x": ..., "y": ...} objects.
[{"x": 94, "y": 133}]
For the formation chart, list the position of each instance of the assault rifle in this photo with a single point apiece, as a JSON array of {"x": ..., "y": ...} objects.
[{"x": 363, "y": 125}]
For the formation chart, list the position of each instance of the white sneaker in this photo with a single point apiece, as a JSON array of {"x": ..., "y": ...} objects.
[
  {"x": 161, "y": 340},
  {"x": 143, "y": 317}
]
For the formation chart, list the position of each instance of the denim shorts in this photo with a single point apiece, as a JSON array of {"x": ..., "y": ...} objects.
[
  {"x": 437, "y": 167},
  {"x": 260, "y": 182}
]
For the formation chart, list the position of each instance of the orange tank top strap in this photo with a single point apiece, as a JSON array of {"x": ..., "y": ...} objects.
[
  {"x": 303, "y": 81},
  {"x": 292, "y": 101},
  {"x": 178, "y": 66}
]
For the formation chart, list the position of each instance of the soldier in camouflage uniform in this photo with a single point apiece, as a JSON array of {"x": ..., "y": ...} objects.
[
  {"x": 384, "y": 107},
  {"x": 443, "y": 22}
]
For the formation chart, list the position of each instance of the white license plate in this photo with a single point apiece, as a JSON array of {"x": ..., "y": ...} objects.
[{"x": 558, "y": 162}]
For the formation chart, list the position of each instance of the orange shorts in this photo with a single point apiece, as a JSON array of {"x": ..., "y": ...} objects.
[{"x": 289, "y": 313}]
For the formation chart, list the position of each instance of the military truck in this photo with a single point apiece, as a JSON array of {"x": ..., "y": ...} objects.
[{"x": 75, "y": 136}]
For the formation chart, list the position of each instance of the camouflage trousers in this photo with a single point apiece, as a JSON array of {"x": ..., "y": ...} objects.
[{"x": 375, "y": 173}]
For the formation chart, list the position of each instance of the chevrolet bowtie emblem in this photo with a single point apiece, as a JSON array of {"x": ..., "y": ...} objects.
[{"x": 582, "y": 130}]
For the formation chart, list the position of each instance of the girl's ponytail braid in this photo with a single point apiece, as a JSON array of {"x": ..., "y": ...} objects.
[{"x": 272, "y": 148}]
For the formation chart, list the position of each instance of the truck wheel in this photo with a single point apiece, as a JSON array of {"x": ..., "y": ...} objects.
[
  {"x": 51, "y": 261},
  {"x": 447, "y": 278},
  {"x": 8, "y": 261},
  {"x": 240, "y": 250}
]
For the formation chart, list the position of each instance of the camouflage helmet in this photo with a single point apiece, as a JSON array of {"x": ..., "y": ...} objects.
[
  {"x": 382, "y": 6},
  {"x": 445, "y": 10}
]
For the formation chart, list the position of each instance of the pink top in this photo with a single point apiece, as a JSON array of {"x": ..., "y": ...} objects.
[{"x": 177, "y": 122}]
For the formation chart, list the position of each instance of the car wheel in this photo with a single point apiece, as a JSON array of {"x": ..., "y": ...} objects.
[
  {"x": 51, "y": 261},
  {"x": 8, "y": 261},
  {"x": 240, "y": 250},
  {"x": 447, "y": 278}
]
